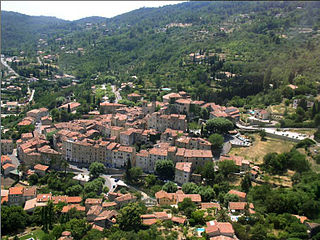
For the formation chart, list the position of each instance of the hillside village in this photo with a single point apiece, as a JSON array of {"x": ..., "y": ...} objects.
[
  {"x": 119, "y": 136},
  {"x": 177, "y": 129}
]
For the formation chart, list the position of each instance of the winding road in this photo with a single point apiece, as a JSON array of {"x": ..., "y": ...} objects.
[
  {"x": 4, "y": 63},
  {"x": 117, "y": 93}
]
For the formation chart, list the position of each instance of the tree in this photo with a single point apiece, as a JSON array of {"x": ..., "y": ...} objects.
[
  {"x": 129, "y": 217},
  {"x": 219, "y": 125},
  {"x": 223, "y": 216},
  {"x": 13, "y": 218},
  {"x": 33, "y": 179},
  {"x": 197, "y": 218},
  {"x": 207, "y": 193},
  {"x": 246, "y": 183},
  {"x": 64, "y": 116},
  {"x": 74, "y": 190},
  {"x": 78, "y": 228},
  {"x": 96, "y": 169},
  {"x": 150, "y": 180},
  {"x": 190, "y": 188},
  {"x": 227, "y": 166},
  {"x": 170, "y": 187},
  {"x": 208, "y": 172},
  {"x": 263, "y": 134},
  {"x": 127, "y": 174},
  {"x": 135, "y": 174},
  {"x": 217, "y": 141},
  {"x": 187, "y": 207},
  {"x": 94, "y": 187},
  {"x": 165, "y": 169}
]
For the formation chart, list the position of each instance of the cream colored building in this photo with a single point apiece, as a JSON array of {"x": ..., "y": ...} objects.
[{"x": 182, "y": 172}]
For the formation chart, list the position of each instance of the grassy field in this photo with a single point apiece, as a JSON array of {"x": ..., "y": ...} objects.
[
  {"x": 258, "y": 149},
  {"x": 36, "y": 234}
]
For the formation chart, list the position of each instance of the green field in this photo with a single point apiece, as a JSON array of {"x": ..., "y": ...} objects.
[{"x": 36, "y": 234}]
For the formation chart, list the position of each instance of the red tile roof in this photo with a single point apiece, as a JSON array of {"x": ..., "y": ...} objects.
[
  {"x": 180, "y": 220},
  {"x": 76, "y": 199},
  {"x": 16, "y": 191},
  {"x": 67, "y": 208},
  {"x": 238, "y": 193},
  {"x": 210, "y": 205},
  {"x": 93, "y": 201},
  {"x": 184, "y": 166},
  {"x": 149, "y": 222},
  {"x": 41, "y": 167}
]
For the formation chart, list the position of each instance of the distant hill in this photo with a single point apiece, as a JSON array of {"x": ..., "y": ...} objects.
[{"x": 19, "y": 29}]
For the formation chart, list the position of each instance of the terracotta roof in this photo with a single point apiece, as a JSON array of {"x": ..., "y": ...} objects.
[
  {"x": 125, "y": 197},
  {"x": 126, "y": 149},
  {"x": 163, "y": 194},
  {"x": 238, "y": 193},
  {"x": 225, "y": 228},
  {"x": 4, "y": 199},
  {"x": 184, "y": 166},
  {"x": 57, "y": 199},
  {"x": 184, "y": 101},
  {"x": 76, "y": 199},
  {"x": 66, "y": 233},
  {"x": 134, "y": 95},
  {"x": 210, "y": 205},
  {"x": 109, "y": 204},
  {"x": 180, "y": 220},
  {"x": 161, "y": 215},
  {"x": 40, "y": 167},
  {"x": 94, "y": 210},
  {"x": 149, "y": 222},
  {"x": 301, "y": 218},
  {"x": 106, "y": 214},
  {"x": 237, "y": 205},
  {"x": 196, "y": 153},
  {"x": 171, "y": 95},
  {"x": 193, "y": 197},
  {"x": 29, "y": 191},
  {"x": 44, "y": 197},
  {"x": 16, "y": 191},
  {"x": 5, "y": 158},
  {"x": 94, "y": 226},
  {"x": 158, "y": 151},
  {"x": 147, "y": 216},
  {"x": 67, "y": 208},
  {"x": 221, "y": 237},
  {"x": 212, "y": 229},
  {"x": 8, "y": 165},
  {"x": 93, "y": 201},
  {"x": 238, "y": 160}
]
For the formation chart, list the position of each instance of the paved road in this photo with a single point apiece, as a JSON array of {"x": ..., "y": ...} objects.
[
  {"x": 39, "y": 61},
  {"x": 9, "y": 68},
  {"x": 32, "y": 95},
  {"x": 110, "y": 181},
  {"x": 117, "y": 93}
]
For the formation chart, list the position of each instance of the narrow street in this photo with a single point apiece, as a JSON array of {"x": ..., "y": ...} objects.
[{"x": 117, "y": 93}]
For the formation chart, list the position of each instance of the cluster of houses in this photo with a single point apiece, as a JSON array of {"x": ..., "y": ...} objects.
[{"x": 110, "y": 137}]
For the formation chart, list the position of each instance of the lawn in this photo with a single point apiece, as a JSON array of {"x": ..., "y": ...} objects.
[
  {"x": 36, "y": 234},
  {"x": 258, "y": 149}
]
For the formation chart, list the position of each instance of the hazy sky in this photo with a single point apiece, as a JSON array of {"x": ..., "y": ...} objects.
[{"x": 73, "y": 10}]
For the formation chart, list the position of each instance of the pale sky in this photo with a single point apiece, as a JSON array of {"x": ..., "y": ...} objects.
[{"x": 73, "y": 10}]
